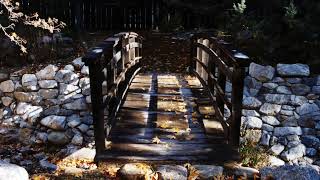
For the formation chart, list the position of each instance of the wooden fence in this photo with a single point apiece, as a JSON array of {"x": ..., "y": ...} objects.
[{"x": 96, "y": 15}]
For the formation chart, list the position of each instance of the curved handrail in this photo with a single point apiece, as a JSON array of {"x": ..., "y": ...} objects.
[
  {"x": 112, "y": 65},
  {"x": 215, "y": 63}
]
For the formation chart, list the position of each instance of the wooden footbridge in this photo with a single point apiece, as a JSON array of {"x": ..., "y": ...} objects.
[{"x": 149, "y": 116}]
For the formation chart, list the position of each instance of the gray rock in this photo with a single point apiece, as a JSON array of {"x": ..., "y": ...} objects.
[
  {"x": 74, "y": 121},
  {"x": 83, "y": 128},
  {"x": 69, "y": 67},
  {"x": 251, "y": 135},
  {"x": 252, "y": 122},
  {"x": 278, "y": 98},
  {"x": 209, "y": 171},
  {"x": 283, "y": 90},
  {"x": 252, "y": 83},
  {"x": 262, "y": 73},
  {"x": 245, "y": 171},
  {"x": 307, "y": 108},
  {"x": 58, "y": 138},
  {"x": 270, "y": 85},
  {"x": 134, "y": 171},
  {"x": 290, "y": 172},
  {"x": 300, "y": 89},
  {"x": 311, "y": 141},
  {"x": 79, "y": 104},
  {"x": 29, "y": 80},
  {"x": 311, "y": 152},
  {"x": 24, "y": 96},
  {"x": 270, "y": 109},
  {"x": 274, "y": 161},
  {"x": 47, "y": 165},
  {"x": 285, "y": 131},
  {"x": 265, "y": 139},
  {"x": 7, "y": 86},
  {"x": 176, "y": 172},
  {"x": 12, "y": 172},
  {"x": 270, "y": 120},
  {"x": 47, "y": 73},
  {"x": 276, "y": 149},
  {"x": 67, "y": 76},
  {"x": 294, "y": 153},
  {"x": 83, "y": 153},
  {"x": 68, "y": 88},
  {"x": 85, "y": 70},
  {"x": 267, "y": 127},
  {"x": 84, "y": 84},
  {"x": 293, "y": 69},
  {"x": 251, "y": 102},
  {"x": 77, "y": 139},
  {"x": 54, "y": 122},
  {"x": 287, "y": 107},
  {"x": 316, "y": 89},
  {"x": 286, "y": 112},
  {"x": 87, "y": 119},
  {"x": 78, "y": 63},
  {"x": 293, "y": 80},
  {"x": 43, "y": 137},
  {"x": 293, "y": 138},
  {"x": 6, "y": 101},
  {"x": 253, "y": 113},
  {"x": 48, "y": 84},
  {"x": 48, "y": 93},
  {"x": 299, "y": 100}
]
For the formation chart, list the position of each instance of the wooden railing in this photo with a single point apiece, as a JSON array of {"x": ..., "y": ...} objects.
[
  {"x": 215, "y": 64},
  {"x": 112, "y": 66}
]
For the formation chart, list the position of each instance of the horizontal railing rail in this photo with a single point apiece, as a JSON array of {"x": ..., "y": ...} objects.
[{"x": 215, "y": 64}]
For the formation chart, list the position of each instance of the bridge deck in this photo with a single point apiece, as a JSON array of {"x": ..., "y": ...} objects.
[{"x": 167, "y": 118}]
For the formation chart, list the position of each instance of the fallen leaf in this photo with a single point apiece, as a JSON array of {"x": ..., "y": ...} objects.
[{"x": 156, "y": 140}]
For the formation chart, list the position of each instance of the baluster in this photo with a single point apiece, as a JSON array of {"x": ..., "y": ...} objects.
[
  {"x": 199, "y": 57},
  {"x": 205, "y": 60}
]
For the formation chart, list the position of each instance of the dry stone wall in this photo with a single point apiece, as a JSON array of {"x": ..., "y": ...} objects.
[
  {"x": 282, "y": 112},
  {"x": 52, "y": 103}
]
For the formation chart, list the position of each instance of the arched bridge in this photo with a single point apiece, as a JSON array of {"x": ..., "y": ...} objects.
[{"x": 166, "y": 117}]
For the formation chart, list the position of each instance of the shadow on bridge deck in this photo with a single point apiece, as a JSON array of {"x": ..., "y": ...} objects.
[{"x": 167, "y": 118}]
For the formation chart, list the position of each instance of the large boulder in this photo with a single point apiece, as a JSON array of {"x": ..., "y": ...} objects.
[
  {"x": 262, "y": 73},
  {"x": 289, "y": 172},
  {"x": 12, "y": 172},
  {"x": 293, "y": 69},
  {"x": 7, "y": 86}
]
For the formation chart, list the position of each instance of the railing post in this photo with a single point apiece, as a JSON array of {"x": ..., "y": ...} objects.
[
  {"x": 237, "y": 97},
  {"x": 193, "y": 52},
  {"x": 97, "y": 103}
]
